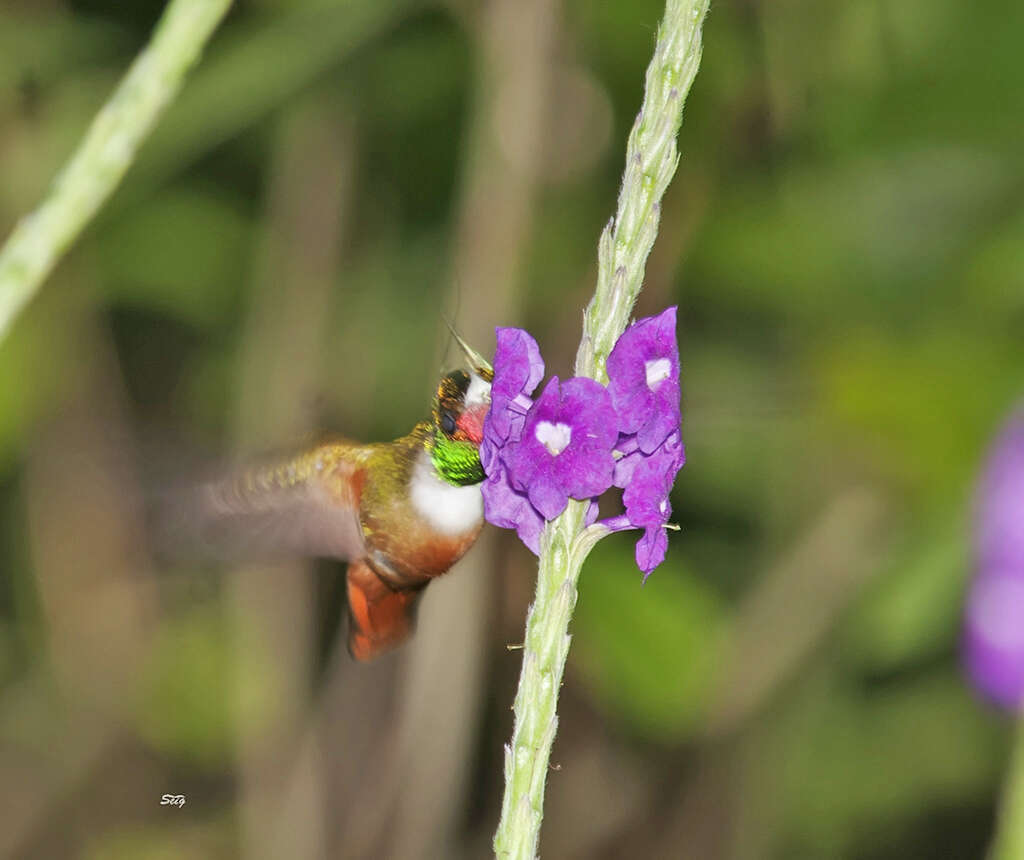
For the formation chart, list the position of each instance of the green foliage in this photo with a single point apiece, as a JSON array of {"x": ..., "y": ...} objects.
[
  {"x": 839, "y": 761},
  {"x": 912, "y": 614},
  {"x": 196, "y": 682},
  {"x": 185, "y": 702},
  {"x": 650, "y": 653},
  {"x": 32, "y": 375},
  {"x": 199, "y": 287}
]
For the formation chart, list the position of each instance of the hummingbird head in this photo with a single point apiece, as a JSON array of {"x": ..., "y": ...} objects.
[{"x": 460, "y": 406}]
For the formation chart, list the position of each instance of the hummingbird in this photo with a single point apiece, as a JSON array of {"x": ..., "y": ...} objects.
[{"x": 400, "y": 513}]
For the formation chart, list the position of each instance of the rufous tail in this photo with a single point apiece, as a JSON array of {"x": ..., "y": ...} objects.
[{"x": 379, "y": 616}]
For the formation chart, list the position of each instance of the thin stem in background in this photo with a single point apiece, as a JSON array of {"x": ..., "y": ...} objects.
[
  {"x": 1009, "y": 842},
  {"x": 651, "y": 159},
  {"x": 106, "y": 152}
]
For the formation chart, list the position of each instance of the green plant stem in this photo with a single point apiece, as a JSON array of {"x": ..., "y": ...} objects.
[
  {"x": 106, "y": 152},
  {"x": 651, "y": 159},
  {"x": 1009, "y": 842}
]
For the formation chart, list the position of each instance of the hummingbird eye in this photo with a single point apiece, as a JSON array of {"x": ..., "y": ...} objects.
[{"x": 447, "y": 422}]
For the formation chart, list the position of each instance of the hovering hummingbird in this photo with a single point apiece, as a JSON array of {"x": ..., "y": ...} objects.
[{"x": 400, "y": 513}]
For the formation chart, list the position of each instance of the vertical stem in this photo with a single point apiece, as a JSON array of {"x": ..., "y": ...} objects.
[
  {"x": 545, "y": 650},
  {"x": 1009, "y": 842},
  {"x": 651, "y": 159},
  {"x": 106, "y": 152}
]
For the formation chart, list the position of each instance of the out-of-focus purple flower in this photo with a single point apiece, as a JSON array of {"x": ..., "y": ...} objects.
[
  {"x": 509, "y": 509},
  {"x": 643, "y": 379},
  {"x": 994, "y": 622},
  {"x": 1000, "y": 508},
  {"x": 994, "y": 636},
  {"x": 566, "y": 446}
]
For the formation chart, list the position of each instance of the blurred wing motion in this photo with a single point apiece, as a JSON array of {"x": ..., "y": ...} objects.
[{"x": 305, "y": 506}]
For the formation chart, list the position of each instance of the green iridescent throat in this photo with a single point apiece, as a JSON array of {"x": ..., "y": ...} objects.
[{"x": 457, "y": 463}]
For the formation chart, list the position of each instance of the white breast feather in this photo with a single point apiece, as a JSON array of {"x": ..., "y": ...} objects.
[{"x": 449, "y": 509}]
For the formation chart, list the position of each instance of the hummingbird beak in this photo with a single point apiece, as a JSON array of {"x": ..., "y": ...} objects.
[{"x": 479, "y": 365}]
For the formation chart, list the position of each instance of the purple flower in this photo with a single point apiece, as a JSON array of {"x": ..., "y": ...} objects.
[
  {"x": 1000, "y": 508},
  {"x": 566, "y": 446},
  {"x": 651, "y": 549},
  {"x": 994, "y": 624},
  {"x": 647, "y": 505},
  {"x": 509, "y": 509},
  {"x": 633, "y": 456},
  {"x": 518, "y": 368},
  {"x": 643, "y": 374},
  {"x": 538, "y": 455},
  {"x": 994, "y": 636}
]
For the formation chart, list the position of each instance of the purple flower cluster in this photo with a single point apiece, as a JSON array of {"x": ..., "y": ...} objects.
[
  {"x": 579, "y": 438},
  {"x": 994, "y": 623}
]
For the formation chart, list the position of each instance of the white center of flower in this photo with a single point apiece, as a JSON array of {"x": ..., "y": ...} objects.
[
  {"x": 657, "y": 370},
  {"x": 554, "y": 437}
]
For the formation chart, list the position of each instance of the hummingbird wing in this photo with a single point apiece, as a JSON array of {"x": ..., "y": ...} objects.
[
  {"x": 303, "y": 506},
  {"x": 380, "y": 617}
]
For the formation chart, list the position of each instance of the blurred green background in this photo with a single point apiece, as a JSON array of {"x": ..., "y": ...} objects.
[{"x": 845, "y": 241}]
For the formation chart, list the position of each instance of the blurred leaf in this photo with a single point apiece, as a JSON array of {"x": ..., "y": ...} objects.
[
  {"x": 994, "y": 279},
  {"x": 914, "y": 610},
  {"x": 923, "y": 404},
  {"x": 870, "y": 235},
  {"x": 37, "y": 50},
  {"x": 184, "y": 707},
  {"x": 248, "y": 73},
  {"x": 389, "y": 309},
  {"x": 193, "y": 683},
  {"x": 396, "y": 69},
  {"x": 34, "y": 359},
  {"x": 648, "y": 651},
  {"x": 407, "y": 111},
  {"x": 845, "y": 762},
  {"x": 183, "y": 254}
]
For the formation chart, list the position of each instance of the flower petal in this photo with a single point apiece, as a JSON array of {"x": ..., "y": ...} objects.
[
  {"x": 1000, "y": 507},
  {"x": 993, "y": 644},
  {"x": 518, "y": 367},
  {"x": 994, "y": 636},
  {"x": 651, "y": 549},
  {"x": 506, "y": 508},
  {"x": 643, "y": 379},
  {"x": 548, "y": 498}
]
